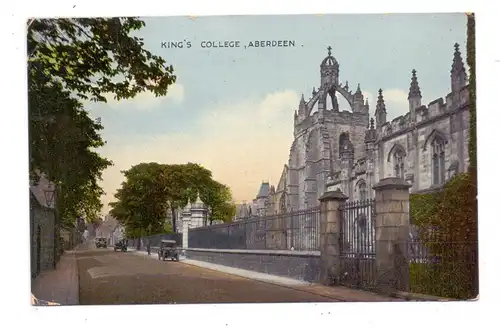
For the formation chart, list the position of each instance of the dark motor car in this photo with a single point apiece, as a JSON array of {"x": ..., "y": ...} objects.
[
  {"x": 121, "y": 245},
  {"x": 168, "y": 250},
  {"x": 101, "y": 242}
]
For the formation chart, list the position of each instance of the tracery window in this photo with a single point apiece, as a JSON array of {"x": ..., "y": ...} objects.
[
  {"x": 438, "y": 169},
  {"x": 399, "y": 165}
]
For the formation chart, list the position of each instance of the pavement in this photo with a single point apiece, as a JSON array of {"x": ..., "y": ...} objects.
[
  {"x": 90, "y": 276},
  {"x": 112, "y": 278},
  {"x": 58, "y": 286},
  {"x": 338, "y": 293}
]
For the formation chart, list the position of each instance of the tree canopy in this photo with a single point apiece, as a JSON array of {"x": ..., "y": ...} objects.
[
  {"x": 71, "y": 61},
  {"x": 152, "y": 191}
]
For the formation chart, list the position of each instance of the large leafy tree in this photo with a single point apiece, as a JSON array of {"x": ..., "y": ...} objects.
[
  {"x": 218, "y": 198},
  {"x": 141, "y": 204},
  {"x": 94, "y": 56},
  {"x": 151, "y": 190},
  {"x": 182, "y": 183},
  {"x": 71, "y": 61}
]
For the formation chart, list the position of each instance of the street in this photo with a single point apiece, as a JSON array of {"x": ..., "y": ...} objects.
[{"x": 108, "y": 277}]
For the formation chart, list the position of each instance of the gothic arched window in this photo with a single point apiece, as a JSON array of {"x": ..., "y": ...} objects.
[
  {"x": 438, "y": 170},
  {"x": 362, "y": 191},
  {"x": 399, "y": 166}
]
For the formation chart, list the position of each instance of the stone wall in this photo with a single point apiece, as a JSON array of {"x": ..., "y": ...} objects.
[
  {"x": 43, "y": 219},
  {"x": 300, "y": 265}
]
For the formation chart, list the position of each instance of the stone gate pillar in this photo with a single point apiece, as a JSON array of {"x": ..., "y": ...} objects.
[
  {"x": 185, "y": 237},
  {"x": 330, "y": 222},
  {"x": 392, "y": 228}
]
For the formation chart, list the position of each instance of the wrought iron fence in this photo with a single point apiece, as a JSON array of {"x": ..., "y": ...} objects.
[
  {"x": 297, "y": 230},
  {"x": 357, "y": 244},
  {"x": 443, "y": 268}
]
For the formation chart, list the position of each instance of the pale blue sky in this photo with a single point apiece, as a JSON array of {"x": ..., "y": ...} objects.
[{"x": 232, "y": 109}]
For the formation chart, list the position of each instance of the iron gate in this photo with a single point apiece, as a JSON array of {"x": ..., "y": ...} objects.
[{"x": 357, "y": 244}]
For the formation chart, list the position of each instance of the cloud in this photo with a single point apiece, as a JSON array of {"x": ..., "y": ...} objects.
[
  {"x": 241, "y": 143},
  {"x": 396, "y": 102},
  {"x": 146, "y": 100}
]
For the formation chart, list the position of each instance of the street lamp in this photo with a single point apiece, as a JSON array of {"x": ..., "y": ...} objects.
[{"x": 49, "y": 193}]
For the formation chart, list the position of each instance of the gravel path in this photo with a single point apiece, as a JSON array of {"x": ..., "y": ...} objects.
[{"x": 108, "y": 277}]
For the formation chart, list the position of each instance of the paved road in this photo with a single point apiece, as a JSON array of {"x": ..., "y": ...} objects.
[{"x": 108, "y": 277}]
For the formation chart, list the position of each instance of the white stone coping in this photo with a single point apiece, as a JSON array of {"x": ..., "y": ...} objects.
[{"x": 260, "y": 252}]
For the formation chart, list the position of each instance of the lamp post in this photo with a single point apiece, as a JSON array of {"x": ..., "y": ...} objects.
[{"x": 49, "y": 193}]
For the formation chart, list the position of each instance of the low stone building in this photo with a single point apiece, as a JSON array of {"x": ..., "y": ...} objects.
[{"x": 42, "y": 229}]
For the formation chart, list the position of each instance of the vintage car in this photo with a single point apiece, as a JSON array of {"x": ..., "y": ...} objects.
[
  {"x": 168, "y": 250},
  {"x": 101, "y": 242},
  {"x": 121, "y": 245}
]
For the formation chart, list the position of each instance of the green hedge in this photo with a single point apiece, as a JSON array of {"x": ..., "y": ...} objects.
[
  {"x": 450, "y": 280},
  {"x": 452, "y": 213}
]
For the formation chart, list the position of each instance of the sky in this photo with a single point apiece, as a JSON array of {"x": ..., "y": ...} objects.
[{"x": 232, "y": 109}]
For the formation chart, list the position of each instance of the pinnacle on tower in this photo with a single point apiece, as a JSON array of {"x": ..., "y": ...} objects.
[
  {"x": 302, "y": 106},
  {"x": 414, "y": 88},
  {"x": 458, "y": 73},
  {"x": 371, "y": 133},
  {"x": 329, "y": 50},
  {"x": 380, "y": 103},
  {"x": 458, "y": 64},
  {"x": 358, "y": 96}
]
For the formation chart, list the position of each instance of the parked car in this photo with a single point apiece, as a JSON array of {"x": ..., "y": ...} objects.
[
  {"x": 168, "y": 250},
  {"x": 121, "y": 245},
  {"x": 101, "y": 242}
]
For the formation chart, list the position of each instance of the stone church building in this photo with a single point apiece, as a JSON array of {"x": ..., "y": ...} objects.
[{"x": 351, "y": 151}]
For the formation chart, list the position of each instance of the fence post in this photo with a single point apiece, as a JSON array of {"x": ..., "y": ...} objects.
[
  {"x": 392, "y": 230},
  {"x": 329, "y": 228}
]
